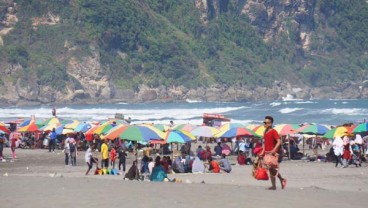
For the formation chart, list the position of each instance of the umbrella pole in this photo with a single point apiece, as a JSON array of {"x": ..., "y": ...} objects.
[
  {"x": 303, "y": 146},
  {"x": 289, "y": 155}
]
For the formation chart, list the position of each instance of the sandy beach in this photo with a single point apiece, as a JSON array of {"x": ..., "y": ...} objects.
[{"x": 40, "y": 179}]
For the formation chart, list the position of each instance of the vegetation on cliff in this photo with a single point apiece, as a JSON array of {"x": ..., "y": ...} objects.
[{"x": 167, "y": 42}]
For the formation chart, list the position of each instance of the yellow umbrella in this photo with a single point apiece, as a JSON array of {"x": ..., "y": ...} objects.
[
  {"x": 259, "y": 130},
  {"x": 72, "y": 125},
  {"x": 49, "y": 127}
]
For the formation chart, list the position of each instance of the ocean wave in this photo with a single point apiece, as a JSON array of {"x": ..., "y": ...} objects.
[
  {"x": 139, "y": 115},
  {"x": 289, "y": 110},
  {"x": 305, "y": 102},
  {"x": 274, "y": 104},
  {"x": 192, "y": 101},
  {"x": 345, "y": 111}
]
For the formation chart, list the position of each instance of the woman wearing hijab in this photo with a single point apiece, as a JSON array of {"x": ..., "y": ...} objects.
[{"x": 338, "y": 148}]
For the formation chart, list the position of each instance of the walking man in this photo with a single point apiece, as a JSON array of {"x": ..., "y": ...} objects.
[{"x": 271, "y": 145}]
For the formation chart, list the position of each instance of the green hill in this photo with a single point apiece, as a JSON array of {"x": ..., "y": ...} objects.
[{"x": 167, "y": 50}]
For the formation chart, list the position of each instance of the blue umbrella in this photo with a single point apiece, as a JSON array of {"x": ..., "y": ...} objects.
[
  {"x": 82, "y": 127},
  {"x": 25, "y": 123}
]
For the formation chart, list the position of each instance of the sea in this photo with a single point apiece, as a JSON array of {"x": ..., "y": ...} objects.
[{"x": 293, "y": 111}]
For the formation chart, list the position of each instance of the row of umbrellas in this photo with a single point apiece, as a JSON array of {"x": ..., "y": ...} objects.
[{"x": 180, "y": 133}]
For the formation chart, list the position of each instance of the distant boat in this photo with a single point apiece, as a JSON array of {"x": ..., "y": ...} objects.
[{"x": 289, "y": 97}]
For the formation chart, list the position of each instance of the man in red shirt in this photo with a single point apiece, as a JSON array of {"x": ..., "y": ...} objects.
[{"x": 271, "y": 145}]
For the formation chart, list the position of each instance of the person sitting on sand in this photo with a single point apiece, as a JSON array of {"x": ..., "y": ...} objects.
[
  {"x": 178, "y": 165},
  {"x": 218, "y": 149},
  {"x": 133, "y": 172},
  {"x": 158, "y": 173},
  {"x": 214, "y": 166},
  {"x": 90, "y": 159},
  {"x": 206, "y": 154},
  {"x": 165, "y": 164},
  {"x": 198, "y": 166},
  {"x": 225, "y": 164}
]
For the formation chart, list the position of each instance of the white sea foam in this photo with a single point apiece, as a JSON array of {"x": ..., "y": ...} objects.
[
  {"x": 345, "y": 111},
  {"x": 289, "y": 97},
  {"x": 139, "y": 115},
  {"x": 305, "y": 102},
  {"x": 192, "y": 101},
  {"x": 289, "y": 110},
  {"x": 122, "y": 103},
  {"x": 274, "y": 104}
]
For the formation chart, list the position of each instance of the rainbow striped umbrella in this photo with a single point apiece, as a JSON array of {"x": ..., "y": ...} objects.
[
  {"x": 162, "y": 127},
  {"x": 176, "y": 136},
  {"x": 82, "y": 127},
  {"x": 229, "y": 126},
  {"x": 135, "y": 133},
  {"x": 184, "y": 127},
  {"x": 205, "y": 131},
  {"x": 314, "y": 129},
  {"x": 259, "y": 130},
  {"x": 104, "y": 128},
  {"x": 338, "y": 131},
  {"x": 72, "y": 125},
  {"x": 285, "y": 129},
  {"x": 236, "y": 131},
  {"x": 361, "y": 128},
  {"x": 52, "y": 120},
  {"x": 32, "y": 127}
]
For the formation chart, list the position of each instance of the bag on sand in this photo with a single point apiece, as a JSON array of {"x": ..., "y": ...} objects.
[
  {"x": 271, "y": 160},
  {"x": 259, "y": 172}
]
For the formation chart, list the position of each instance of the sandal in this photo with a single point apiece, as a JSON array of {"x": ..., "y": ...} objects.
[{"x": 283, "y": 183}]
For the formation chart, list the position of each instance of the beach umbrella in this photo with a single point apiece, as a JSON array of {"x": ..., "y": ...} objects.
[
  {"x": 259, "y": 130},
  {"x": 72, "y": 125},
  {"x": 49, "y": 127},
  {"x": 52, "y": 120},
  {"x": 236, "y": 131},
  {"x": 25, "y": 123},
  {"x": 135, "y": 133},
  {"x": 89, "y": 133},
  {"x": 184, "y": 127},
  {"x": 32, "y": 127},
  {"x": 361, "y": 128},
  {"x": 229, "y": 126},
  {"x": 162, "y": 127},
  {"x": 82, "y": 127},
  {"x": 285, "y": 129},
  {"x": 338, "y": 131},
  {"x": 205, "y": 131},
  {"x": 314, "y": 129},
  {"x": 4, "y": 129},
  {"x": 104, "y": 128},
  {"x": 176, "y": 136},
  {"x": 251, "y": 126}
]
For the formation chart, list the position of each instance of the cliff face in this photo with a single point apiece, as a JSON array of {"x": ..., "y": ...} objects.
[{"x": 84, "y": 75}]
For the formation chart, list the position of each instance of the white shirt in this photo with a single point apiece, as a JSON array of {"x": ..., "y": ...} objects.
[
  {"x": 88, "y": 155},
  {"x": 338, "y": 146},
  {"x": 150, "y": 166},
  {"x": 358, "y": 139}
]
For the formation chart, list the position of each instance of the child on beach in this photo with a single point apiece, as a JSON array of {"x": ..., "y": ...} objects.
[
  {"x": 122, "y": 158},
  {"x": 112, "y": 157},
  {"x": 90, "y": 159},
  {"x": 13, "y": 140}
]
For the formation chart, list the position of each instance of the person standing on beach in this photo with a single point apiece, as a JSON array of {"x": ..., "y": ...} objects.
[
  {"x": 2, "y": 142},
  {"x": 122, "y": 158},
  {"x": 271, "y": 145},
  {"x": 104, "y": 154},
  {"x": 13, "y": 140},
  {"x": 52, "y": 142}
]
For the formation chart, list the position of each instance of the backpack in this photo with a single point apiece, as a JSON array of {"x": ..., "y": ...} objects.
[{"x": 72, "y": 147}]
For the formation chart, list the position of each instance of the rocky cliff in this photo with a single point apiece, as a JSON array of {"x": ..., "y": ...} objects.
[{"x": 85, "y": 74}]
